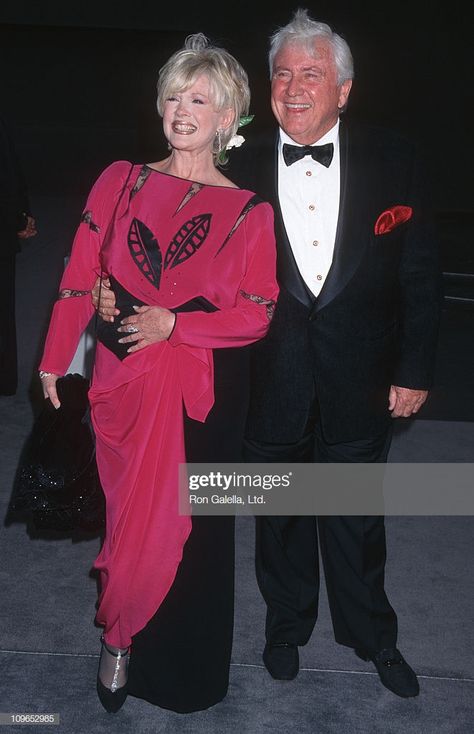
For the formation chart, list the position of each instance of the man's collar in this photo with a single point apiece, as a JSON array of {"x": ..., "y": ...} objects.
[{"x": 330, "y": 137}]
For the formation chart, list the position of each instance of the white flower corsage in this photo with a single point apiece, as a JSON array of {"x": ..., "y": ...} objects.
[{"x": 236, "y": 140}]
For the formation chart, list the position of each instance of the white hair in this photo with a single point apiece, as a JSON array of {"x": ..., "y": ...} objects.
[{"x": 305, "y": 31}]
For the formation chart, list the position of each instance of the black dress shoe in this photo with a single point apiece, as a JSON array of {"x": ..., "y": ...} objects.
[
  {"x": 394, "y": 671},
  {"x": 113, "y": 698},
  {"x": 112, "y": 701},
  {"x": 281, "y": 660}
]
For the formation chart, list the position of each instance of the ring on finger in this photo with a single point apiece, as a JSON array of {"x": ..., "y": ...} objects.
[{"x": 132, "y": 329}]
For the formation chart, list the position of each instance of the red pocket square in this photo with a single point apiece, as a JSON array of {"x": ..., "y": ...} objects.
[{"x": 391, "y": 218}]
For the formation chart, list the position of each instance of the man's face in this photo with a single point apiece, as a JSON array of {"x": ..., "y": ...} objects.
[{"x": 306, "y": 98}]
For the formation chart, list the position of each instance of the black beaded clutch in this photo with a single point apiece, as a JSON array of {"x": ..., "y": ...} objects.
[{"x": 57, "y": 484}]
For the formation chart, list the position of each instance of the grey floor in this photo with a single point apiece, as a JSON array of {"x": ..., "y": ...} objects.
[{"x": 49, "y": 645}]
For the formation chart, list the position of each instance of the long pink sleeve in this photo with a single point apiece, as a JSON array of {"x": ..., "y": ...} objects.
[
  {"x": 249, "y": 319},
  {"x": 73, "y": 310}
]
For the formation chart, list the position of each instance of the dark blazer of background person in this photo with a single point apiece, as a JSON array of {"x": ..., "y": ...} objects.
[
  {"x": 375, "y": 322},
  {"x": 15, "y": 223}
]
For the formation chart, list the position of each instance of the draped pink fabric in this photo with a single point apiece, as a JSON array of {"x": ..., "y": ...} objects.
[
  {"x": 137, "y": 404},
  {"x": 145, "y": 534}
]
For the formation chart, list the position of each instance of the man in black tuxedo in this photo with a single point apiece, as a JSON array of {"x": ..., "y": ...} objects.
[{"x": 351, "y": 345}]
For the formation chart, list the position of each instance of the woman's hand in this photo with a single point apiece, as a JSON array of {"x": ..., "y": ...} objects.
[
  {"x": 48, "y": 383},
  {"x": 149, "y": 325},
  {"x": 103, "y": 300}
]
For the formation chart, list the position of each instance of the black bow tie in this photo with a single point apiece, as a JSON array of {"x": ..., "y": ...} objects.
[{"x": 321, "y": 153}]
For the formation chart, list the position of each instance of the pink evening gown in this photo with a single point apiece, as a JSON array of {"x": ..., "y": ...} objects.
[{"x": 207, "y": 252}]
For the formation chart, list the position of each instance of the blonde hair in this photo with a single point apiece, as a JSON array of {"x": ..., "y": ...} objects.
[{"x": 228, "y": 81}]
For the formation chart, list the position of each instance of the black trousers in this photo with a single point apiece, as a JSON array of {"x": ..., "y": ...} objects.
[{"x": 353, "y": 553}]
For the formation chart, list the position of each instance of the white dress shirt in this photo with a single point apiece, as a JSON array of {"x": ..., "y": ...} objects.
[{"x": 309, "y": 198}]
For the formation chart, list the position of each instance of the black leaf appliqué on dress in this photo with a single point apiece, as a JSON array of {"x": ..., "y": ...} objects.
[
  {"x": 194, "y": 189},
  {"x": 87, "y": 219},
  {"x": 145, "y": 251},
  {"x": 143, "y": 176},
  {"x": 247, "y": 208},
  {"x": 187, "y": 240}
]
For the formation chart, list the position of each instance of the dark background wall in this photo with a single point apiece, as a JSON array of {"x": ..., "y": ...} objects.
[{"x": 78, "y": 79}]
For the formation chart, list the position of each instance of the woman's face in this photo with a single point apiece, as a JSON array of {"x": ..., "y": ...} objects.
[{"x": 190, "y": 120}]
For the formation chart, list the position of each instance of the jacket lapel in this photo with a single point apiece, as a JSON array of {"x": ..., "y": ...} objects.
[
  {"x": 288, "y": 273},
  {"x": 348, "y": 247}
]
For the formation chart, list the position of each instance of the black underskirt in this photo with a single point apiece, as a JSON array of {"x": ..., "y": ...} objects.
[{"x": 180, "y": 660}]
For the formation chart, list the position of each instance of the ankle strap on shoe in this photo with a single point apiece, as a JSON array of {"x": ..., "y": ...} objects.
[{"x": 121, "y": 653}]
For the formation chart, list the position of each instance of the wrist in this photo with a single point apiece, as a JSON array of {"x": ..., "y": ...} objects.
[
  {"x": 42, "y": 374},
  {"x": 173, "y": 324}
]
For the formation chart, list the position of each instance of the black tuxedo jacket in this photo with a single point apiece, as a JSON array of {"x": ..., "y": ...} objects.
[{"x": 375, "y": 322}]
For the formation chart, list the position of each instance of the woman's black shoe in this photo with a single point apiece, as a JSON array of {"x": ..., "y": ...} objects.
[{"x": 112, "y": 698}]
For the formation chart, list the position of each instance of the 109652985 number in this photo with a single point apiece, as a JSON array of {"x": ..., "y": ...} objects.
[{"x": 29, "y": 718}]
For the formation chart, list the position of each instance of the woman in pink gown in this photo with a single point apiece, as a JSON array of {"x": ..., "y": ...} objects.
[{"x": 191, "y": 260}]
